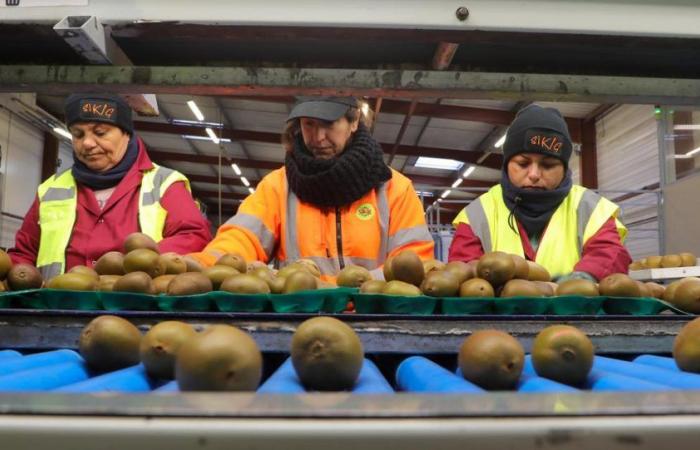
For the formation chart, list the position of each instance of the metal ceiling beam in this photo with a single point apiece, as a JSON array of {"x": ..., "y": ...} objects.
[
  {"x": 164, "y": 155},
  {"x": 215, "y": 180},
  {"x": 442, "y": 58},
  {"x": 368, "y": 82},
  {"x": 402, "y": 131}
]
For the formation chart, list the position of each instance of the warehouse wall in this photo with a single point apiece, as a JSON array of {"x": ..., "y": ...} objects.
[
  {"x": 682, "y": 232},
  {"x": 627, "y": 160},
  {"x": 20, "y": 170}
]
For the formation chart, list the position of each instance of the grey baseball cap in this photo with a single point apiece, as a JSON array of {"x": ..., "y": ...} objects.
[{"x": 329, "y": 109}]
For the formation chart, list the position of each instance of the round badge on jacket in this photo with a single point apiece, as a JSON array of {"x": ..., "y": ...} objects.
[{"x": 365, "y": 211}]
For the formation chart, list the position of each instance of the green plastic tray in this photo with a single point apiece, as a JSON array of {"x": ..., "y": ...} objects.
[
  {"x": 29, "y": 298},
  {"x": 77, "y": 300},
  {"x": 394, "y": 304},
  {"x": 466, "y": 305},
  {"x": 521, "y": 305},
  {"x": 320, "y": 300},
  {"x": 184, "y": 303},
  {"x": 642, "y": 306},
  {"x": 230, "y": 302},
  {"x": 569, "y": 305},
  {"x": 128, "y": 301}
]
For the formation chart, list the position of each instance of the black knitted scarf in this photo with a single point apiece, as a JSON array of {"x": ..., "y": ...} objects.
[
  {"x": 341, "y": 180},
  {"x": 110, "y": 178}
]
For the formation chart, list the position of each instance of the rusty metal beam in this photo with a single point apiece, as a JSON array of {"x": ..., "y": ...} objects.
[
  {"x": 164, "y": 155},
  {"x": 215, "y": 180},
  {"x": 444, "y": 53},
  {"x": 589, "y": 155},
  {"x": 402, "y": 131}
]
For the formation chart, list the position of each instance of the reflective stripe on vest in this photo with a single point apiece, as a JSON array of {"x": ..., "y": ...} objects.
[
  {"x": 330, "y": 265},
  {"x": 256, "y": 227},
  {"x": 577, "y": 219},
  {"x": 58, "y": 201}
]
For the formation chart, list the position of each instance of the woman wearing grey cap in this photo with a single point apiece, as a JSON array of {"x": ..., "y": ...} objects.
[
  {"x": 538, "y": 213},
  {"x": 335, "y": 201}
]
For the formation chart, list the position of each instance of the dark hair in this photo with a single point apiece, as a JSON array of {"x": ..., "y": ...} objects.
[{"x": 292, "y": 128}]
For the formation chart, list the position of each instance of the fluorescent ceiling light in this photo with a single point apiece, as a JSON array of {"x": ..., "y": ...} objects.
[
  {"x": 196, "y": 123},
  {"x": 245, "y": 181},
  {"x": 424, "y": 193},
  {"x": 445, "y": 194},
  {"x": 457, "y": 182},
  {"x": 686, "y": 127},
  {"x": 202, "y": 138},
  {"x": 212, "y": 135},
  {"x": 62, "y": 132},
  {"x": 251, "y": 190},
  {"x": 195, "y": 110},
  {"x": 236, "y": 169},
  {"x": 688, "y": 155},
  {"x": 469, "y": 171},
  {"x": 500, "y": 141},
  {"x": 438, "y": 163}
]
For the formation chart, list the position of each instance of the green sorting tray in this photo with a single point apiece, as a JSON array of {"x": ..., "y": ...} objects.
[
  {"x": 571, "y": 305},
  {"x": 29, "y": 298},
  {"x": 320, "y": 300},
  {"x": 128, "y": 301},
  {"x": 394, "y": 304},
  {"x": 641, "y": 306},
  {"x": 53, "y": 299},
  {"x": 230, "y": 302},
  {"x": 521, "y": 305},
  {"x": 466, "y": 305},
  {"x": 185, "y": 303}
]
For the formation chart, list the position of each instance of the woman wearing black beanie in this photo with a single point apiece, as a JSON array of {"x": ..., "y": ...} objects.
[{"x": 538, "y": 213}]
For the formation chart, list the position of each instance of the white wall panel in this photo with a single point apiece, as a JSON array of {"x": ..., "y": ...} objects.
[{"x": 628, "y": 160}]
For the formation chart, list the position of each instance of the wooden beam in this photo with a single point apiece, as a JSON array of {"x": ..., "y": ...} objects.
[
  {"x": 589, "y": 156},
  {"x": 444, "y": 53},
  {"x": 49, "y": 156}
]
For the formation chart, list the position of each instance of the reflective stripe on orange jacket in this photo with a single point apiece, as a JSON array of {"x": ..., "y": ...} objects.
[{"x": 272, "y": 223}]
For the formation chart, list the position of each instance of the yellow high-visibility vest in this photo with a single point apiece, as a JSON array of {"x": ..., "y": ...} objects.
[
  {"x": 576, "y": 220},
  {"x": 58, "y": 201}
]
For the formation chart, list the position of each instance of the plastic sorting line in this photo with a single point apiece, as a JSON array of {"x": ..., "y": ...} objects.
[
  {"x": 605, "y": 380},
  {"x": 661, "y": 362},
  {"x": 419, "y": 374},
  {"x": 533, "y": 383},
  {"x": 39, "y": 360},
  {"x": 131, "y": 379},
  {"x": 673, "y": 378},
  {"x": 9, "y": 354}
]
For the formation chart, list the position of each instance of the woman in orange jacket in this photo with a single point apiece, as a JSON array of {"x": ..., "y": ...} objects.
[{"x": 335, "y": 201}]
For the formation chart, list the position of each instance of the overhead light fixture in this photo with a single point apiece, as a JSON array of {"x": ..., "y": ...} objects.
[
  {"x": 212, "y": 135},
  {"x": 365, "y": 108},
  {"x": 500, "y": 141},
  {"x": 62, "y": 132},
  {"x": 688, "y": 155},
  {"x": 438, "y": 163},
  {"x": 424, "y": 193},
  {"x": 245, "y": 181},
  {"x": 686, "y": 127},
  {"x": 446, "y": 193},
  {"x": 251, "y": 190},
  {"x": 236, "y": 169},
  {"x": 202, "y": 138},
  {"x": 469, "y": 171},
  {"x": 195, "y": 110},
  {"x": 457, "y": 182},
  {"x": 196, "y": 123}
]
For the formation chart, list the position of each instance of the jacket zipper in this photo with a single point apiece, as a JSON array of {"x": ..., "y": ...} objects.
[{"x": 339, "y": 237}]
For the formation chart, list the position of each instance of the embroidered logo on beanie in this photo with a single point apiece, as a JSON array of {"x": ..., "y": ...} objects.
[
  {"x": 544, "y": 142},
  {"x": 98, "y": 109}
]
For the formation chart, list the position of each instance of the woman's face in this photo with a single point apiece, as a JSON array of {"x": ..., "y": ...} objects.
[
  {"x": 326, "y": 140},
  {"x": 100, "y": 146},
  {"x": 535, "y": 171}
]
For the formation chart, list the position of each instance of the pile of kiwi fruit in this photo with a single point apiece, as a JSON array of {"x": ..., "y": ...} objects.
[{"x": 683, "y": 259}]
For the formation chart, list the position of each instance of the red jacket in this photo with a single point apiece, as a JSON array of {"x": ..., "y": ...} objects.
[
  {"x": 603, "y": 254},
  {"x": 97, "y": 232}
]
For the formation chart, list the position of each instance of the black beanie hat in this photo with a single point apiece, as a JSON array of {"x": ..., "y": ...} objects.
[
  {"x": 107, "y": 108},
  {"x": 538, "y": 130}
]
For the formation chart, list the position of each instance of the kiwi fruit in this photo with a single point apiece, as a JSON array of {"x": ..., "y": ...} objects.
[
  {"x": 522, "y": 268},
  {"x": 3, "y": 288},
  {"x": 578, "y": 287},
  {"x": 463, "y": 271},
  {"x": 644, "y": 290},
  {"x": 300, "y": 280},
  {"x": 440, "y": 283},
  {"x": 136, "y": 241},
  {"x": 372, "y": 287},
  {"x": 491, "y": 359},
  {"x": 139, "y": 282},
  {"x": 109, "y": 343},
  {"x": 400, "y": 288},
  {"x": 5, "y": 264},
  {"x": 476, "y": 287},
  {"x": 276, "y": 285},
  {"x": 310, "y": 265},
  {"x": 563, "y": 353},
  {"x": 537, "y": 272},
  {"x": 686, "y": 347},
  {"x": 353, "y": 276},
  {"x": 406, "y": 266},
  {"x": 670, "y": 291},
  {"x": 85, "y": 270},
  {"x": 189, "y": 283},
  {"x": 653, "y": 262},
  {"x": 218, "y": 273},
  {"x": 75, "y": 281},
  {"x": 618, "y": 285},
  {"x": 671, "y": 261},
  {"x": 254, "y": 265},
  {"x": 245, "y": 283},
  {"x": 637, "y": 266},
  {"x": 221, "y": 358},
  {"x": 192, "y": 264},
  {"x": 24, "y": 276},
  {"x": 496, "y": 268},
  {"x": 144, "y": 260},
  {"x": 520, "y": 288},
  {"x": 289, "y": 269},
  {"x": 687, "y": 260},
  {"x": 106, "y": 282},
  {"x": 327, "y": 354},
  {"x": 264, "y": 273},
  {"x": 547, "y": 288},
  {"x": 386, "y": 269},
  {"x": 234, "y": 260},
  {"x": 160, "y": 284},
  {"x": 174, "y": 263},
  {"x": 687, "y": 296},
  {"x": 159, "y": 347},
  {"x": 111, "y": 263},
  {"x": 432, "y": 264},
  {"x": 656, "y": 290}
]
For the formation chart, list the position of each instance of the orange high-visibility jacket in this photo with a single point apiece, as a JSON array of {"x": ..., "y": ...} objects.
[{"x": 273, "y": 223}]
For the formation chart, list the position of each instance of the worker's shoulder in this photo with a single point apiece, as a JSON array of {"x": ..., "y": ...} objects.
[{"x": 398, "y": 181}]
